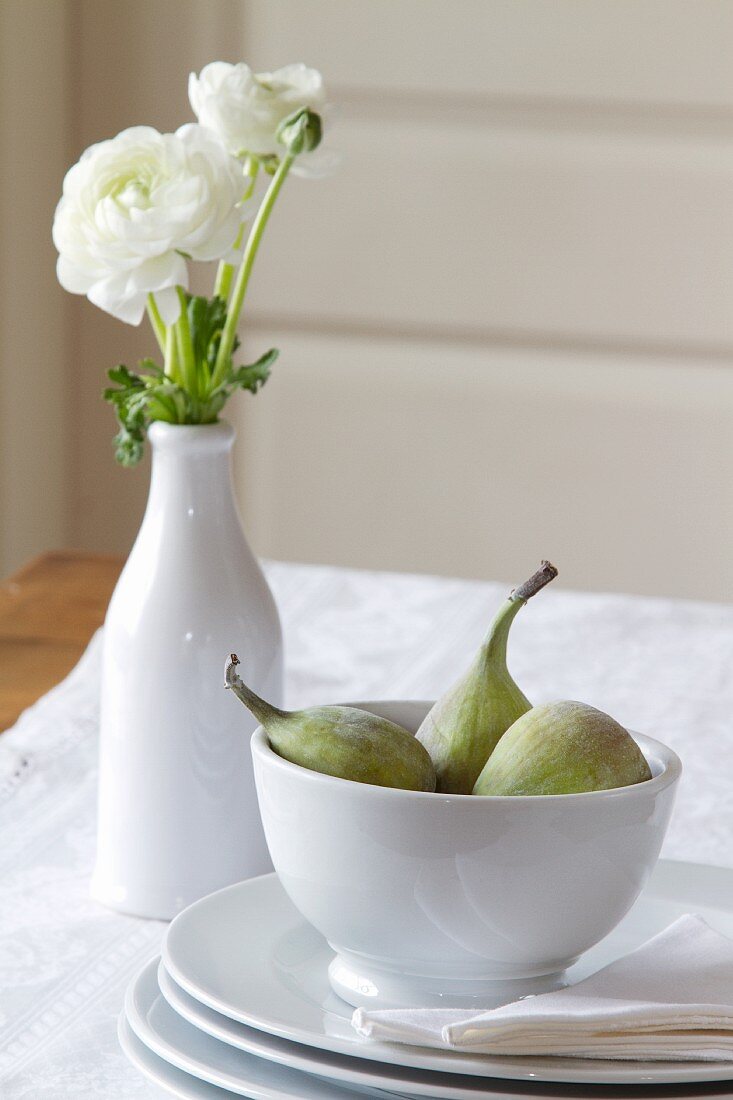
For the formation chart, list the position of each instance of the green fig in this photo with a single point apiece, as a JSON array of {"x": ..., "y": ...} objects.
[
  {"x": 342, "y": 741},
  {"x": 463, "y": 727},
  {"x": 563, "y": 748}
]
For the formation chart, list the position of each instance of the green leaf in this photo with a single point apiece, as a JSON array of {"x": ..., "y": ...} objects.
[
  {"x": 152, "y": 366},
  {"x": 130, "y": 403},
  {"x": 206, "y": 317},
  {"x": 123, "y": 376},
  {"x": 162, "y": 406},
  {"x": 254, "y": 376},
  {"x": 129, "y": 441},
  {"x": 140, "y": 397},
  {"x": 215, "y": 405}
]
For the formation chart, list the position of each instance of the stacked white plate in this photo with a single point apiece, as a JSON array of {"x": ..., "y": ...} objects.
[{"x": 240, "y": 1005}]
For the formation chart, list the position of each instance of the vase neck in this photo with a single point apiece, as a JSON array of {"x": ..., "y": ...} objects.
[
  {"x": 191, "y": 441},
  {"x": 191, "y": 473}
]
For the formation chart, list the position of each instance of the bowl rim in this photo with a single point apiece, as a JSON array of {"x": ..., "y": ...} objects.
[{"x": 670, "y": 773}]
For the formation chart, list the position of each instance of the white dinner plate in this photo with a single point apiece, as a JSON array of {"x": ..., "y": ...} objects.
[
  {"x": 163, "y": 1074},
  {"x": 190, "y": 1051},
  {"x": 336, "y": 1067},
  {"x": 264, "y": 1083},
  {"x": 248, "y": 954}
]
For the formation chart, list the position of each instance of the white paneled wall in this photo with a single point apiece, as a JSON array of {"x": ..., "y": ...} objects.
[
  {"x": 629, "y": 51},
  {"x": 472, "y": 227},
  {"x": 507, "y": 321},
  {"x": 462, "y": 459}
]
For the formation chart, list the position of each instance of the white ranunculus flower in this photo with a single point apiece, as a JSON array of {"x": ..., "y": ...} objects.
[
  {"x": 133, "y": 204},
  {"x": 246, "y": 108}
]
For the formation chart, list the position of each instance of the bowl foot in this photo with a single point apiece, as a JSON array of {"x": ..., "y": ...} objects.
[{"x": 364, "y": 985}]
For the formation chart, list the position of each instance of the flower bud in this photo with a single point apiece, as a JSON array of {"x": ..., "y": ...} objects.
[{"x": 300, "y": 132}]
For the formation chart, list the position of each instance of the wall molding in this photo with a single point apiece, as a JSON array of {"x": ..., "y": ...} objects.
[
  {"x": 701, "y": 122},
  {"x": 464, "y": 336}
]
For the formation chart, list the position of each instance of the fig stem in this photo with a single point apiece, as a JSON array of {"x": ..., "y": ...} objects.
[
  {"x": 494, "y": 647},
  {"x": 546, "y": 573},
  {"x": 262, "y": 710}
]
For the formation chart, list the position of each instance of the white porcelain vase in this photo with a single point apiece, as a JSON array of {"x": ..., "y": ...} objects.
[{"x": 178, "y": 814}]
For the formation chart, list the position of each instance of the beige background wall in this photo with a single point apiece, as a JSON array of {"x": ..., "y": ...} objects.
[
  {"x": 35, "y": 492},
  {"x": 506, "y": 322}
]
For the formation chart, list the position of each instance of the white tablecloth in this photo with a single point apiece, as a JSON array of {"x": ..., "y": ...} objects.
[{"x": 660, "y": 666}]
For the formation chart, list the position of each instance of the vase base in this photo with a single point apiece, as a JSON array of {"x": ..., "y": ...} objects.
[
  {"x": 117, "y": 898},
  {"x": 163, "y": 904}
]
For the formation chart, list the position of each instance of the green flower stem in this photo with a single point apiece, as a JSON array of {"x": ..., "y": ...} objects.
[
  {"x": 156, "y": 321},
  {"x": 170, "y": 365},
  {"x": 240, "y": 287},
  {"x": 186, "y": 356},
  {"x": 225, "y": 272}
]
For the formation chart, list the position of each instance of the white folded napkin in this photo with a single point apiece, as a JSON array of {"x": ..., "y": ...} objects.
[{"x": 671, "y": 999}]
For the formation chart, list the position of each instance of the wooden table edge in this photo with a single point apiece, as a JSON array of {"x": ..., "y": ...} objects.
[{"x": 49, "y": 611}]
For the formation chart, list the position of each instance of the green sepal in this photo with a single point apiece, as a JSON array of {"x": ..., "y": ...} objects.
[{"x": 270, "y": 163}]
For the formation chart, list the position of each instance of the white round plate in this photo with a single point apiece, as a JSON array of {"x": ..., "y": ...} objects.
[
  {"x": 163, "y": 1074},
  {"x": 248, "y": 954},
  {"x": 335, "y": 1067},
  {"x": 190, "y": 1053}
]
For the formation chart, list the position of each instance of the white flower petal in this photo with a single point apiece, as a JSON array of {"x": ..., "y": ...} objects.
[
  {"x": 245, "y": 109},
  {"x": 164, "y": 271},
  {"x": 132, "y": 204},
  {"x": 112, "y": 296},
  {"x": 71, "y": 277},
  {"x": 169, "y": 304}
]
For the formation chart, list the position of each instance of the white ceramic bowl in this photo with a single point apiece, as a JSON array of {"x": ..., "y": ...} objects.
[{"x": 432, "y": 899}]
